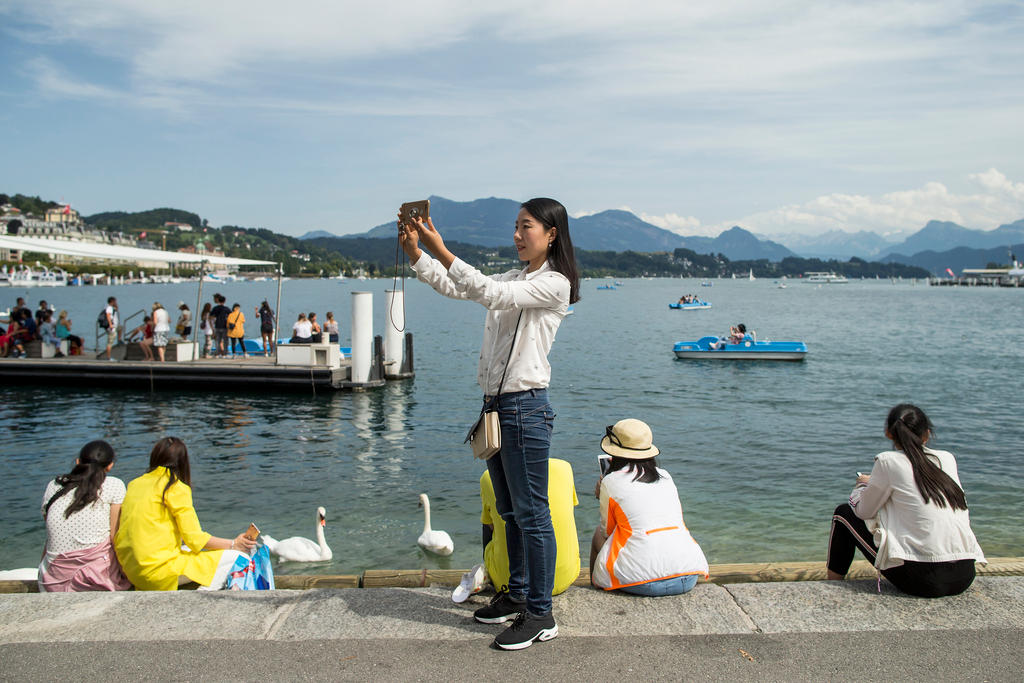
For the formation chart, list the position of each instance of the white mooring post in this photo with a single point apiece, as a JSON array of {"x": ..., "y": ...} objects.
[
  {"x": 394, "y": 330},
  {"x": 362, "y": 335}
]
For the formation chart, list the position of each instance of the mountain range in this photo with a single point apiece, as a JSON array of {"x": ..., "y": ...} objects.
[{"x": 488, "y": 222}]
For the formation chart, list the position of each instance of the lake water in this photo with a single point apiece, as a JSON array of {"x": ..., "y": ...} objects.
[{"x": 761, "y": 451}]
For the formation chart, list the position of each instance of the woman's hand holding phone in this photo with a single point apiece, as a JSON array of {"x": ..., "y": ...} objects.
[
  {"x": 427, "y": 235},
  {"x": 408, "y": 239}
]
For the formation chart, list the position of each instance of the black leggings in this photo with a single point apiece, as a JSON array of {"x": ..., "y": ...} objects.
[
  {"x": 240, "y": 342},
  {"x": 923, "y": 579}
]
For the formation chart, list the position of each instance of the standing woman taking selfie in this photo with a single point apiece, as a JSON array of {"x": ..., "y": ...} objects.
[{"x": 524, "y": 309}]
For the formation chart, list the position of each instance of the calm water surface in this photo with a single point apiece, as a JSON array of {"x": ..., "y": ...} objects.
[{"x": 761, "y": 451}]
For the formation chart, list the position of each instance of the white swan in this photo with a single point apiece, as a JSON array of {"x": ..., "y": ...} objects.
[
  {"x": 25, "y": 574},
  {"x": 299, "y": 549},
  {"x": 438, "y": 542}
]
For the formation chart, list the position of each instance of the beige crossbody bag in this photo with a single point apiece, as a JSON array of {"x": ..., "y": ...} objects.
[{"x": 484, "y": 436}]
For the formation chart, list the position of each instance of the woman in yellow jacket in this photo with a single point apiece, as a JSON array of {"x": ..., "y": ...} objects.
[
  {"x": 157, "y": 517},
  {"x": 236, "y": 329}
]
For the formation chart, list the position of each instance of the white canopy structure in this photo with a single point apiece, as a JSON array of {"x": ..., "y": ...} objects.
[{"x": 116, "y": 252}]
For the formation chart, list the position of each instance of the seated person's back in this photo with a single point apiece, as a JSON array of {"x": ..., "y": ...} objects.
[{"x": 561, "y": 499}]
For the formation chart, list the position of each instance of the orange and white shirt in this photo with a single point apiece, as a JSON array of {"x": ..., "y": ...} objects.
[{"x": 647, "y": 539}]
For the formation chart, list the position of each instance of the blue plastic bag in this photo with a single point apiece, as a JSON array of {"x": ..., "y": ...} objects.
[{"x": 252, "y": 573}]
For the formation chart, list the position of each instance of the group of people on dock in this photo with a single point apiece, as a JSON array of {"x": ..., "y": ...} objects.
[
  {"x": 307, "y": 329},
  {"x": 25, "y": 327},
  {"x": 220, "y": 324},
  {"x": 909, "y": 515}
]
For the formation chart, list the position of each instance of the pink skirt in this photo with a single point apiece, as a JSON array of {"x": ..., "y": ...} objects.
[{"x": 89, "y": 569}]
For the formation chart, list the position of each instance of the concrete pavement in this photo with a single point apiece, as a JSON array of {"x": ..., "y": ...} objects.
[{"x": 757, "y": 631}]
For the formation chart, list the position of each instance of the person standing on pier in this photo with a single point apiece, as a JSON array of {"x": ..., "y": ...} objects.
[
  {"x": 220, "y": 314},
  {"x": 236, "y": 330},
  {"x": 524, "y": 309},
  {"x": 161, "y": 329},
  {"x": 266, "y": 316},
  {"x": 113, "y": 324}
]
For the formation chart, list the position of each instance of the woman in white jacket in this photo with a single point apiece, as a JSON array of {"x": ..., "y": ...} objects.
[
  {"x": 642, "y": 545},
  {"x": 909, "y": 516}
]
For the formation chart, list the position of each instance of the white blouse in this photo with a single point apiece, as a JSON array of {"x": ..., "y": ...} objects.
[
  {"x": 303, "y": 329},
  {"x": 903, "y": 525},
  {"x": 541, "y": 296},
  {"x": 84, "y": 529}
]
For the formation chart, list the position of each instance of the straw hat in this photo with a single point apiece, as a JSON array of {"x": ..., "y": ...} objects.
[{"x": 630, "y": 439}]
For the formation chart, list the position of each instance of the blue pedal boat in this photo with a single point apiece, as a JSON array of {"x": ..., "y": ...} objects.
[
  {"x": 696, "y": 306},
  {"x": 747, "y": 349}
]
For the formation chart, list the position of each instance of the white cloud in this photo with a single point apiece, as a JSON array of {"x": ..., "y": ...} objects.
[
  {"x": 995, "y": 200},
  {"x": 681, "y": 225}
]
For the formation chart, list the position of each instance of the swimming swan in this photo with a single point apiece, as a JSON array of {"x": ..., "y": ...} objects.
[
  {"x": 438, "y": 542},
  {"x": 298, "y": 549}
]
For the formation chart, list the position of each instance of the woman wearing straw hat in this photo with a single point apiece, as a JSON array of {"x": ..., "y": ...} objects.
[
  {"x": 642, "y": 545},
  {"x": 524, "y": 309}
]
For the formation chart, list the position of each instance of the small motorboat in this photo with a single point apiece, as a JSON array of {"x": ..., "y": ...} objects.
[
  {"x": 707, "y": 283},
  {"x": 606, "y": 286},
  {"x": 746, "y": 349},
  {"x": 695, "y": 306}
]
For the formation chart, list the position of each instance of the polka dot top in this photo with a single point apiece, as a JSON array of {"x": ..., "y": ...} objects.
[{"x": 85, "y": 528}]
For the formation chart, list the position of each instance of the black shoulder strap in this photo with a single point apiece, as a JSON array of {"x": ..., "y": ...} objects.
[{"x": 508, "y": 360}]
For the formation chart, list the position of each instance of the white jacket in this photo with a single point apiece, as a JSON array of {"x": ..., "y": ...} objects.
[
  {"x": 647, "y": 539},
  {"x": 904, "y": 526}
]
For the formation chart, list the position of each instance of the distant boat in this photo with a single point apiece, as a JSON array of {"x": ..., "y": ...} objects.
[
  {"x": 695, "y": 306},
  {"x": 707, "y": 283},
  {"x": 752, "y": 278},
  {"x": 823, "y": 278},
  {"x": 618, "y": 284},
  {"x": 606, "y": 286},
  {"x": 570, "y": 310},
  {"x": 26, "y": 277},
  {"x": 746, "y": 349}
]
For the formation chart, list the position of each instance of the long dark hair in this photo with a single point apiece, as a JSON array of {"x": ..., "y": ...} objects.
[
  {"x": 909, "y": 427},
  {"x": 562, "y": 258},
  {"x": 645, "y": 471},
  {"x": 86, "y": 478},
  {"x": 170, "y": 452}
]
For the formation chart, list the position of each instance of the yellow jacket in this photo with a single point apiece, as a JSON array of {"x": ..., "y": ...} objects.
[
  {"x": 149, "y": 538},
  {"x": 561, "y": 500},
  {"x": 238, "y": 318}
]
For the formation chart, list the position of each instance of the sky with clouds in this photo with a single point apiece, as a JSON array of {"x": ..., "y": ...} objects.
[{"x": 789, "y": 116}]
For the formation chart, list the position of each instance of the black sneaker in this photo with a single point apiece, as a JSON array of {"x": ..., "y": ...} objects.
[
  {"x": 526, "y": 629},
  {"x": 501, "y": 608}
]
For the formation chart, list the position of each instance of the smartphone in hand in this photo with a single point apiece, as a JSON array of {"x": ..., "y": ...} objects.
[
  {"x": 252, "y": 532},
  {"x": 412, "y": 211},
  {"x": 605, "y": 462}
]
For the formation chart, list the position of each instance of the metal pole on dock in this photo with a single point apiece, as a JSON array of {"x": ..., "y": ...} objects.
[
  {"x": 394, "y": 327},
  {"x": 195, "y": 316},
  {"x": 362, "y": 336},
  {"x": 277, "y": 311}
]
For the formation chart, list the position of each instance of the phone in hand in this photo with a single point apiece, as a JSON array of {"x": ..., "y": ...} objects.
[
  {"x": 412, "y": 211},
  {"x": 605, "y": 462},
  {"x": 252, "y": 532}
]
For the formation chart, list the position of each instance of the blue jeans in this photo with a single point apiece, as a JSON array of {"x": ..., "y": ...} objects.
[
  {"x": 519, "y": 474},
  {"x": 677, "y": 585}
]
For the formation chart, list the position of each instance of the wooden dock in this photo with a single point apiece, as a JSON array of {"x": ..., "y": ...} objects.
[{"x": 205, "y": 374}]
